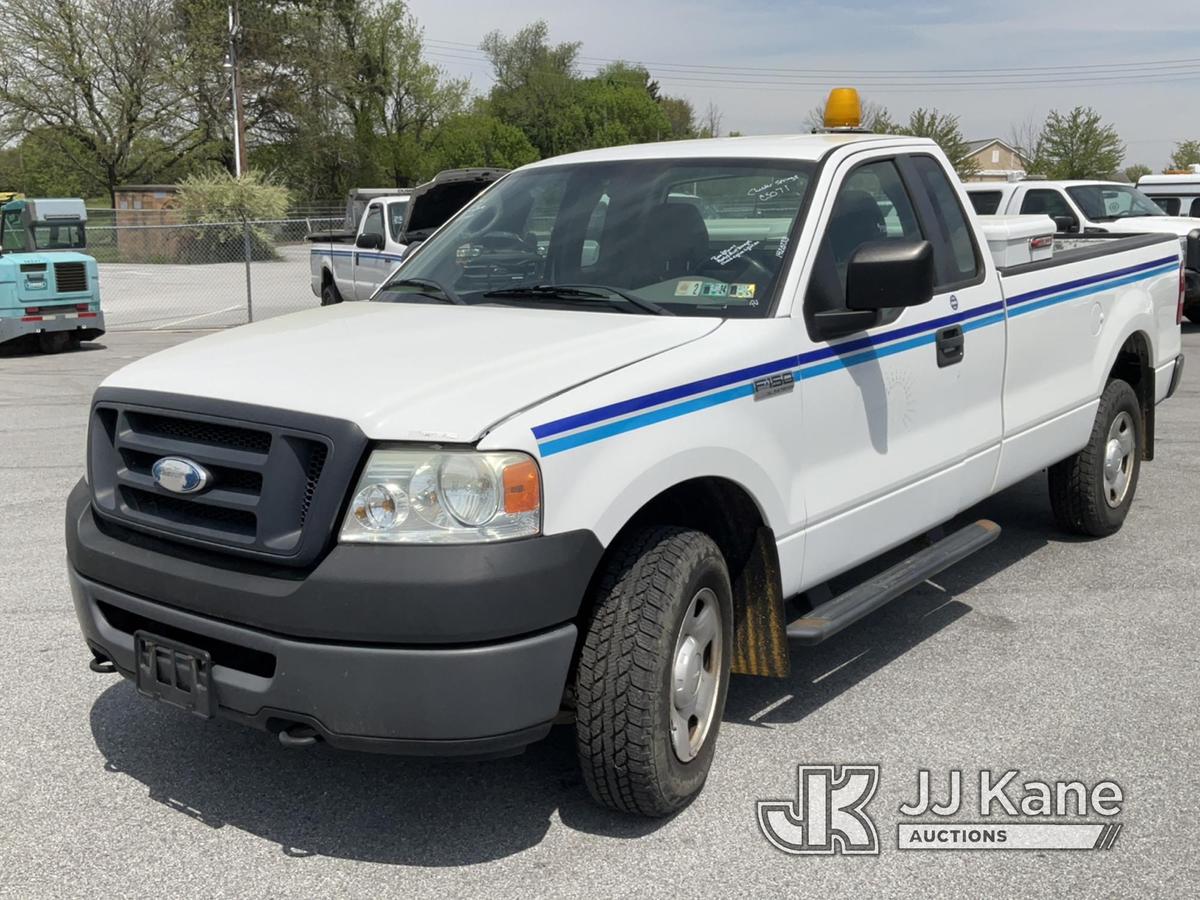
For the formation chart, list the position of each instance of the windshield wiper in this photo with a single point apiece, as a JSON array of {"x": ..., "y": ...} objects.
[
  {"x": 580, "y": 292},
  {"x": 440, "y": 291}
]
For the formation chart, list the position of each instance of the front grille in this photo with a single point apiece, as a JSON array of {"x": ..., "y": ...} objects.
[
  {"x": 272, "y": 491},
  {"x": 70, "y": 277}
]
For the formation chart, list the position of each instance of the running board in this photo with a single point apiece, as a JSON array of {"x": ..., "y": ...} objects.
[{"x": 845, "y": 609}]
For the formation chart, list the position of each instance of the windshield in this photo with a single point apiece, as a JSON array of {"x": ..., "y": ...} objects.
[
  {"x": 395, "y": 215},
  {"x": 1112, "y": 201},
  {"x": 685, "y": 237}
]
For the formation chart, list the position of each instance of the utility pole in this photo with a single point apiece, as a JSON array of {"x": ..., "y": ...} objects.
[
  {"x": 239, "y": 139},
  {"x": 239, "y": 118}
]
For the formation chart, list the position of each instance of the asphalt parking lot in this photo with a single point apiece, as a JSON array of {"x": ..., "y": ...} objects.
[{"x": 1061, "y": 658}]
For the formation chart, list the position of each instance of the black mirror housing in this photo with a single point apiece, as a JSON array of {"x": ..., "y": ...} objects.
[
  {"x": 1065, "y": 224},
  {"x": 369, "y": 242},
  {"x": 888, "y": 274}
]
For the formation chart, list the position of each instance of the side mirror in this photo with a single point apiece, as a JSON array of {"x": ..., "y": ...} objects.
[
  {"x": 1065, "y": 224},
  {"x": 369, "y": 242},
  {"x": 887, "y": 274}
]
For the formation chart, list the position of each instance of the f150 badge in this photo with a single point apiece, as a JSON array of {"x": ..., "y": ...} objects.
[{"x": 773, "y": 385}]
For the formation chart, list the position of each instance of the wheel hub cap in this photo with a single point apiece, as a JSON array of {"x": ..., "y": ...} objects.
[
  {"x": 1119, "y": 459},
  {"x": 695, "y": 675}
]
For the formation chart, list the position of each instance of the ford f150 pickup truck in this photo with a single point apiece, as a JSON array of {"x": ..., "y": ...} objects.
[
  {"x": 583, "y": 478},
  {"x": 1097, "y": 207},
  {"x": 351, "y": 265}
]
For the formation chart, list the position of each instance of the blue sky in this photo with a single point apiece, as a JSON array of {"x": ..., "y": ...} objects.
[{"x": 858, "y": 36}]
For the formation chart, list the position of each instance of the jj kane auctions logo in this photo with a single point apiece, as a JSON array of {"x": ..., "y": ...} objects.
[{"x": 829, "y": 814}]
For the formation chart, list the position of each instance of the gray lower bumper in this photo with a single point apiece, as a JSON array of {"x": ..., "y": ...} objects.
[
  {"x": 12, "y": 327},
  {"x": 458, "y": 700}
]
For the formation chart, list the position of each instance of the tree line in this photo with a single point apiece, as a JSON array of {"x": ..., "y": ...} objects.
[{"x": 342, "y": 93}]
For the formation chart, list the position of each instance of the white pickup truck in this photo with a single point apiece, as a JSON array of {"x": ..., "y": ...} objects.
[
  {"x": 1096, "y": 208},
  {"x": 581, "y": 477},
  {"x": 352, "y": 264}
]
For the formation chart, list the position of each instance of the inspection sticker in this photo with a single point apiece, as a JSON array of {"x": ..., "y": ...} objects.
[{"x": 688, "y": 288}]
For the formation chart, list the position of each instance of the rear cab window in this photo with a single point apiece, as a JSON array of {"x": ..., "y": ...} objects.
[
  {"x": 985, "y": 202},
  {"x": 1169, "y": 205}
]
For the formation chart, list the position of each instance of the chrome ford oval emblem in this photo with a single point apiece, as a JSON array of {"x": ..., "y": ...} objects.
[{"x": 180, "y": 476}]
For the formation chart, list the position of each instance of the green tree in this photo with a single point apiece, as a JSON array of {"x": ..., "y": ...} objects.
[
  {"x": 1186, "y": 155},
  {"x": 942, "y": 129},
  {"x": 534, "y": 88},
  {"x": 476, "y": 139},
  {"x": 681, "y": 116},
  {"x": 101, "y": 80},
  {"x": 1136, "y": 171},
  {"x": 1078, "y": 144}
]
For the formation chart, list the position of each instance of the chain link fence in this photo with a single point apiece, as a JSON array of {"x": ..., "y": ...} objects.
[{"x": 203, "y": 275}]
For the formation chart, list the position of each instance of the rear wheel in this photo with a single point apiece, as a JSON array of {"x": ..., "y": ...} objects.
[
  {"x": 1091, "y": 492},
  {"x": 654, "y": 670},
  {"x": 330, "y": 294},
  {"x": 1193, "y": 315}
]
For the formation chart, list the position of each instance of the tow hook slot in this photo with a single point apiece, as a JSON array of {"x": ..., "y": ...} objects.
[
  {"x": 101, "y": 665},
  {"x": 299, "y": 736}
]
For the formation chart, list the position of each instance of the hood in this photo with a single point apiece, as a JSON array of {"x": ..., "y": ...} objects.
[
  {"x": 410, "y": 372},
  {"x": 432, "y": 203},
  {"x": 1177, "y": 225}
]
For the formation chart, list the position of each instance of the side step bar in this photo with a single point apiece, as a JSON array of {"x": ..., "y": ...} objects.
[{"x": 845, "y": 609}]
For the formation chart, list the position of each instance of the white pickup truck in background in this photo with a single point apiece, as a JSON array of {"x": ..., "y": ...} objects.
[
  {"x": 1088, "y": 208},
  {"x": 1177, "y": 194},
  {"x": 603, "y": 439},
  {"x": 351, "y": 264}
]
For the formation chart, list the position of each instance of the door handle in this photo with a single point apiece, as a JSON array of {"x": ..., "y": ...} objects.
[{"x": 951, "y": 345}]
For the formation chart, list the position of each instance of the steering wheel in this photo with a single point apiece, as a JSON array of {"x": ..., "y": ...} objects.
[{"x": 501, "y": 240}]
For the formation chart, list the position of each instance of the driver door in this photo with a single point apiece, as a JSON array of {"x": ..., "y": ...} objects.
[
  {"x": 897, "y": 430},
  {"x": 370, "y": 266}
]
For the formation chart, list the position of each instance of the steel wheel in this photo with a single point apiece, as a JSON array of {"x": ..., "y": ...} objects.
[
  {"x": 695, "y": 675},
  {"x": 1118, "y": 459}
]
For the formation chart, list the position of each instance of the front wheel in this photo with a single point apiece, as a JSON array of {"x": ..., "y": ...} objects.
[
  {"x": 654, "y": 670},
  {"x": 1091, "y": 492}
]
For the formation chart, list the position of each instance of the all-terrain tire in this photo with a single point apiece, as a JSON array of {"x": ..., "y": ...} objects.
[
  {"x": 626, "y": 674},
  {"x": 1080, "y": 499}
]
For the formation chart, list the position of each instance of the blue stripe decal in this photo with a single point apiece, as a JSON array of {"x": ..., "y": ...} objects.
[
  {"x": 624, "y": 407},
  {"x": 390, "y": 257},
  {"x": 843, "y": 356},
  {"x": 1092, "y": 279}
]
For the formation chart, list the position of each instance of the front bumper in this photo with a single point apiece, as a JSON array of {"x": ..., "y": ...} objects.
[
  {"x": 12, "y": 327},
  {"x": 446, "y": 653}
]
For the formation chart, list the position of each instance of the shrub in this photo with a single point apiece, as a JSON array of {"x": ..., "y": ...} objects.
[{"x": 223, "y": 207}]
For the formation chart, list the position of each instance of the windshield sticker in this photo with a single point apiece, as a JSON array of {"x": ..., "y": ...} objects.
[
  {"x": 773, "y": 189},
  {"x": 688, "y": 288},
  {"x": 729, "y": 254},
  {"x": 743, "y": 291},
  {"x": 782, "y": 248},
  {"x": 716, "y": 289}
]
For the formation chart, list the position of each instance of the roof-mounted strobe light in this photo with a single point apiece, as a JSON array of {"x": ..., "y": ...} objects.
[{"x": 843, "y": 110}]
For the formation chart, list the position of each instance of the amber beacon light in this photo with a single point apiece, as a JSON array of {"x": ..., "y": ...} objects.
[{"x": 843, "y": 109}]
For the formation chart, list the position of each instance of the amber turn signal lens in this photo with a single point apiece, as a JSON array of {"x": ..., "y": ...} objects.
[{"x": 522, "y": 488}]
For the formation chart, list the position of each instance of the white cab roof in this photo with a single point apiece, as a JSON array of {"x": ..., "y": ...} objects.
[{"x": 810, "y": 147}]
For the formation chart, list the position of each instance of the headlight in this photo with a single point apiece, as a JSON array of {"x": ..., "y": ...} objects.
[{"x": 444, "y": 497}]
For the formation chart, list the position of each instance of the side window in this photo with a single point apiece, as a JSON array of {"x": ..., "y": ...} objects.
[
  {"x": 961, "y": 263},
  {"x": 871, "y": 205},
  {"x": 985, "y": 202},
  {"x": 1169, "y": 205},
  {"x": 1195, "y": 210},
  {"x": 373, "y": 224},
  {"x": 396, "y": 213},
  {"x": 1047, "y": 203},
  {"x": 14, "y": 233}
]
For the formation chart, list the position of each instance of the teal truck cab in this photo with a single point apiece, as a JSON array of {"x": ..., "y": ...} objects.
[{"x": 48, "y": 289}]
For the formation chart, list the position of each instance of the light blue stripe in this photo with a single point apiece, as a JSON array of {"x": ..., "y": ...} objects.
[
  {"x": 876, "y": 353},
  {"x": 549, "y": 448},
  {"x": 1093, "y": 289}
]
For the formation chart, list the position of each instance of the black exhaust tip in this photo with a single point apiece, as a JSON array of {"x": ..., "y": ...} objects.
[
  {"x": 298, "y": 736},
  {"x": 101, "y": 665}
]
